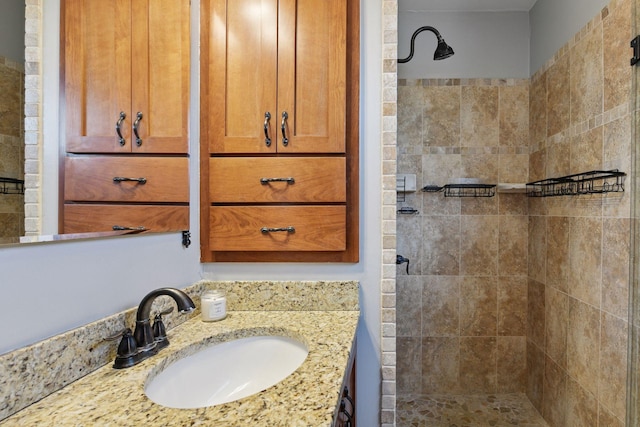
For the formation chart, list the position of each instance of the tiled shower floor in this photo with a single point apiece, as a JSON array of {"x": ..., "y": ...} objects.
[{"x": 495, "y": 410}]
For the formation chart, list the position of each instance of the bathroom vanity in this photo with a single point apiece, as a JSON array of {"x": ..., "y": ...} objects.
[{"x": 325, "y": 322}]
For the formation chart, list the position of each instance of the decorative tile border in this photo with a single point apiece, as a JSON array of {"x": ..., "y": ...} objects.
[
  {"x": 389, "y": 170},
  {"x": 33, "y": 117}
]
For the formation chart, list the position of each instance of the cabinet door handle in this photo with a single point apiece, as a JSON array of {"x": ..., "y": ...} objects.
[
  {"x": 283, "y": 126},
  {"x": 289, "y": 180},
  {"x": 123, "y": 228},
  {"x": 343, "y": 410},
  {"x": 265, "y": 230},
  {"x": 121, "y": 139},
  {"x": 136, "y": 126},
  {"x": 267, "y": 139},
  {"x": 123, "y": 179}
]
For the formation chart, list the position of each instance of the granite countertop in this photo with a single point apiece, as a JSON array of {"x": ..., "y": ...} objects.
[{"x": 308, "y": 397}]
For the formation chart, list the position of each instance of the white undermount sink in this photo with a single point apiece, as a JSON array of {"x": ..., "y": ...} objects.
[{"x": 226, "y": 372}]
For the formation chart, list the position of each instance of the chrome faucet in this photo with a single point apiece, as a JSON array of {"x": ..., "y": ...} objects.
[{"x": 147, "y": 341}]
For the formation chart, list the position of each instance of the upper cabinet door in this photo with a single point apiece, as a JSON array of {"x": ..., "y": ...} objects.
[
  {"x": 126, "y": 76},
  {"x": 160, "y": 75},
  {"x": 241, "y": 81},
  {"x": 312, "y": 39},
  {"x": 276, "y": 76},
  {"x": 97, "y": 74}
]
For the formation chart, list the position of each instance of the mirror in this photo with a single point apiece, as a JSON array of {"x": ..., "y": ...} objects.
[
  {"x": 12, "y": 49},
  {"x": 30, "y": 133}
]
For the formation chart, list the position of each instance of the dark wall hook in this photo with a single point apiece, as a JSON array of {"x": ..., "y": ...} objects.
[{"x": 401, "y": 260}]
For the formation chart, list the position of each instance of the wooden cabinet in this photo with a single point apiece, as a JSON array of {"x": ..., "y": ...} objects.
[
  {"x": 345, "y": 412},
  {"x": 280, "y": 84},
  {"x": 126, "y": 97},
  {"x": 279, "y": 130},
  {"x": 127, "y": 57}
]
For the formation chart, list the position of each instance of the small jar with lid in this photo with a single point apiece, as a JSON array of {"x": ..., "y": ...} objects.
[{"x": 214, "y": 305}]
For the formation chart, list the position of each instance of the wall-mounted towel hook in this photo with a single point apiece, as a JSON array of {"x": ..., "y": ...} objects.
[{"x": 401, "y": 260}]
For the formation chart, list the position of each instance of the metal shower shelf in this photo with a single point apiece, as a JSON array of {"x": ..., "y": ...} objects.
[
  {"x": 463, "y": 190},
  {"x": 592, "y": 182},
  {"x": 11, "y": 186}
]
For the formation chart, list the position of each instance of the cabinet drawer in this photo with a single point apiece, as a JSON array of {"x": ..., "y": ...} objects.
[
  {"x": 92, "y": 179},
  {"x": 85, "y": 218},
  {"x": 239, "y": 228},
  {"x": 264, "y": 180}
]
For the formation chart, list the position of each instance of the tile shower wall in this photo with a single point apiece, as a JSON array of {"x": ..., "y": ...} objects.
[
  {"x": 579, "y": 246},
  {"x": 462, "y": 309},
  {"x": 11, "y": 145}
]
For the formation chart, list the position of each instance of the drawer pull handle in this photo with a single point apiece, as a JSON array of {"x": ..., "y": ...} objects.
[
  {"x": 283, "y": 126},
  {"x": 265, "y": 181},
  {"x": 121, "y": 139},
  {"x": 122, "y": 179},
  {"x": 136, "y": 126},
  {"x": 266, "y": 230},
  {"x": 123, "y": 228},
  {"x": 267, "y": 139}
]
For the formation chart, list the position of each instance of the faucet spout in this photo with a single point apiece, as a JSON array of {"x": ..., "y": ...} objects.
[
  {"x": 185, "y": 304},
  {"x": 143, "y": 333}
]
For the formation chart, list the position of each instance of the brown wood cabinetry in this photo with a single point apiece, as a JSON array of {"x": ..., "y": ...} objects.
[
  {"x": 126, "y": 97},
  {"x": 345, "y": 413},
  {"x": 279, "y": 130}
]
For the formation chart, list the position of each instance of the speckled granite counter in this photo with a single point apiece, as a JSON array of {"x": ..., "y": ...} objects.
[{"x": 308, "y": 397}]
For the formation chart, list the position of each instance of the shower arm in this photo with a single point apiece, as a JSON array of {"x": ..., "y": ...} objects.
[{"x": 413, "y": 41}]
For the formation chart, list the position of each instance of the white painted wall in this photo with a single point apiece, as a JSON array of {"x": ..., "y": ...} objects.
[
  {"x": 554, "y": 22},
  {"x": 486, "y": 44},
  {"x": 12, "y": 29},
  {"x": 51, "y": 288}
]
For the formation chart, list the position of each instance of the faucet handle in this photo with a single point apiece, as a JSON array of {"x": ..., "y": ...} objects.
[
  {"x": 159, "y": 330},
  {"x": 127, "y": 350},
  {"x": 165, "y": 312}
]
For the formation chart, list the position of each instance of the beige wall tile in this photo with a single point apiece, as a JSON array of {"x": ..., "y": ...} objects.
[
  {"x": 441, "y": 306},
  {"x": 537, "y": 248},
  {"x": 477, "y": 364},
  {"x": 558, "y": 252},
  {"x": 512, "y": 204},
  {"x": 512, "y": 306},
  {"x": 615, "y": 266},
  {"x": 583, "y": 345},
  {"x": 409, "y": 368},
  {"x": 586, "y": 151},
  {"x": 556, "y": 326},
  {"x": 514, "y": 119},
  {"x": 557, "y": 96},
  {"x": 585, "y": 259},
  {"x": 559, "y": 157},
  {"x": 478, "y": 306},
  {"x": 554, "y": 396},
  {"x": 616, "y": 36},
  {"x": 513, "y": 245},
  {"x": 409, "y": 244},
  {"x": 479, "y": 116},
  {"x": 613, "y": 365},
  {"x": 538, "y": 111},
  {"x": 536, "y": 313},
  {"x": 479, "y": 245},
  {"x": 409, "y": 304},
  {"x": 440, "y": 365},
  {"x": 582, "y": 406},
  {"x": 441, "y": 245},
  {"x": 512, "y": 364},
  {"x": 535, "y": 374},
  {"x": 478, "y": 205},
  {"x": 441, "y": 116},
  {"x": 586, "y": 77}
]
